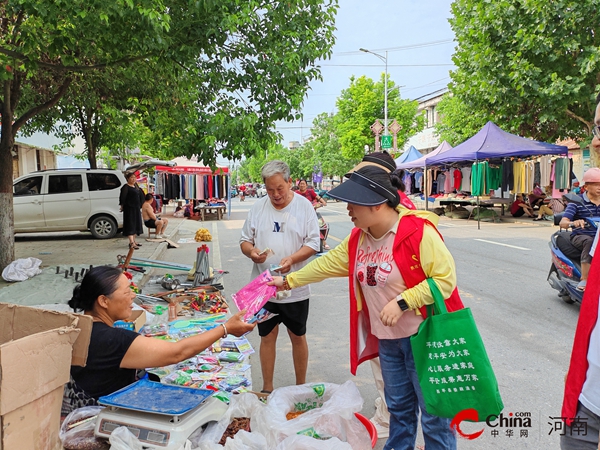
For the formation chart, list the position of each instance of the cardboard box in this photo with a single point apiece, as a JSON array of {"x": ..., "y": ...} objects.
[
  {"x": 135, "y": 322},
  {"x": 37, "y": 349},
  {"x": 34, "y": 426}
]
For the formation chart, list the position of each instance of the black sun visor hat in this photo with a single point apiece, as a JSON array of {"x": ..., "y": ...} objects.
[
  {"x": 360, "y": 190},
  {"x": 383, "y": 160}
]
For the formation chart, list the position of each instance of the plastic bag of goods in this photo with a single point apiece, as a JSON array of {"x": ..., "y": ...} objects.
[
  {"x": 233, "y": 431},
  {"x": 77, "y": 430},
  {"x": 302, "y": 442},
  {"x": 320, "y": 410}
]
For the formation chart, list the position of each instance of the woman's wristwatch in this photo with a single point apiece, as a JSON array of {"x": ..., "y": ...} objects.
[{"x": 402, "y": 303}]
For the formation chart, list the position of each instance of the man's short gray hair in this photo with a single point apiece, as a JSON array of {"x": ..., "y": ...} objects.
[{"x": 273, "y": 168}]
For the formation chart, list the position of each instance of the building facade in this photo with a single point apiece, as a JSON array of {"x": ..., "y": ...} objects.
[
  {"x": 427, "y": 140},
  {"x": 28, "y": 158}
]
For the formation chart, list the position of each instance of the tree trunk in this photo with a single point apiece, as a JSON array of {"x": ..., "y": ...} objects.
[
  {"x": 92, "y": 157},
  {"x": 7, "y": 230}
]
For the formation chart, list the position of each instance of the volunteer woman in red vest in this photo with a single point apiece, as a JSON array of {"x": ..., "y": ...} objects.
[{"x": 387, "y": 258}]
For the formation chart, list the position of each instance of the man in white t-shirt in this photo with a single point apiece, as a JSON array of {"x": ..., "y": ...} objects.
[{"x": 287, "y": 224}]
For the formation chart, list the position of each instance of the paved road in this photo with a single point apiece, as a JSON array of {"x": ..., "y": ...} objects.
[{"x": 502, "y": 271}]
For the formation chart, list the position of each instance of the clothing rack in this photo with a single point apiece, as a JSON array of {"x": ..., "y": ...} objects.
[{"x": 193, "y": 183}]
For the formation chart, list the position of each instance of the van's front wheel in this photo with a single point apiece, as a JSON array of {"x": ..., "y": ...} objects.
[{"x": 103, "y": 227}]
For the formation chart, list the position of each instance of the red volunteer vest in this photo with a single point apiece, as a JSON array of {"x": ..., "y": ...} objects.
[{"x": 363, "y": 344}]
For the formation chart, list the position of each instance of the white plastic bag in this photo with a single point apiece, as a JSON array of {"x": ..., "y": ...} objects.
[
  {"x": 242, "y": 405},
  {"x": 329, "y": 413},
  {"x": 122, "y": 439},
  {"x": 246, "y": 441},
  {"x": 300, "y": 442},
  {"x": 22, "y": 269}
]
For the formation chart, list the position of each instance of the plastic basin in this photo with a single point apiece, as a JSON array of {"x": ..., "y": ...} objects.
[{"x": 370, "y": 428}]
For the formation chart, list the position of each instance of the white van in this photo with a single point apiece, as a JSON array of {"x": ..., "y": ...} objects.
[{"x": 69, "y": 200}]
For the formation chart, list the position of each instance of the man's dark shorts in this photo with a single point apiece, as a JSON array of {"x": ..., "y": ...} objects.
[
  {"x": 292, "y": 315},
  {"x": 150, "y": 223},
  {"x": 584, "y": 243}
]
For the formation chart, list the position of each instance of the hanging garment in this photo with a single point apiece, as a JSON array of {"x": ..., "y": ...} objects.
[
  {"x": 545, "y": 170},
  {"x": 465, "y": 185},
  {"x": 419, "y": 180},
  {"x": 449, "y": 182},
  {"x": 508, "y": 179},
  {"x": 529, "y": 174},
  {"x": 441, "y": 179},
  {"x": 457, "y": 178},
  {"x": 562, "y": 173}
]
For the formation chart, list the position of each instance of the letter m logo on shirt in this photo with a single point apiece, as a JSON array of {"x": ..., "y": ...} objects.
[{"x": 278, "y": 227}]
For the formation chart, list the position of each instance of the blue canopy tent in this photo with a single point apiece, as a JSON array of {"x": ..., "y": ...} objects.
[
  {"x": 423, "y": 162},
  {"x": 491, "y": 142},
  {"x": 409, "y": 155}
]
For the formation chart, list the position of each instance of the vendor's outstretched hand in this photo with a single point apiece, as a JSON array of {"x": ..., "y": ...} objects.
[
  {"x": 277, "y": 282},
  {"x": 237, "y": 326}
]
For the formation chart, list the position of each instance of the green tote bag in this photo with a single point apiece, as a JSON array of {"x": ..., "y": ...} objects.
[{"x": 453, "y": 367}]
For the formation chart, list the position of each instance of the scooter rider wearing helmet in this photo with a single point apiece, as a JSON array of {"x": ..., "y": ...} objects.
[{"x": 583, "y": 237}]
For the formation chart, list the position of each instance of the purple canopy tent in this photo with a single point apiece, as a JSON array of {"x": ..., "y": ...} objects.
[{"x": 492, "y": 142}]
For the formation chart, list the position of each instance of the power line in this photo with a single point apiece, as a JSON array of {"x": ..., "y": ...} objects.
[
  {"x": 400, "y": 48},
  {"x": 389, "y": 65},
  {"x": 428, "y": 84}
]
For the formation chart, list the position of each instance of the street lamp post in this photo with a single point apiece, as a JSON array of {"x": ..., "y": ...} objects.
[{"x": 385, "y": 89}]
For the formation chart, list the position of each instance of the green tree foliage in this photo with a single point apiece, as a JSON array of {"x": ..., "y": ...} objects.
[
  {"x": 458, "y": 122},
  {"x": 100, "y": 107},
  {"x": 361, "y": 104},
  {"x": 324, "y": 149},
  {"x": 235, "y": 66},
  {"x": 533, "y": 66}
]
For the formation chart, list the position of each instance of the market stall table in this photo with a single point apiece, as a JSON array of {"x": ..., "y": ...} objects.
[
  {"x": 209, "y": 209},
  {"x": 488, "y": 202}
]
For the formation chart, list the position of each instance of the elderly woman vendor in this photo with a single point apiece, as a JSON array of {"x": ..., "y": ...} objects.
[{"x": 115, "y": 354}]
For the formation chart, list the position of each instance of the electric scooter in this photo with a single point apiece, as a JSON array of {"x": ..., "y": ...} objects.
[{"x": 565, "y": 271}]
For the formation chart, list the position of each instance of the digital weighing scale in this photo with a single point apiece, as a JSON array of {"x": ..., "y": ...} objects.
[{"x": 160, "y": 416}]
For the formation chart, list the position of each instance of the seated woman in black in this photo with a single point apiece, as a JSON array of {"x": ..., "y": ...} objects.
[{"x": 115, "y": 354}]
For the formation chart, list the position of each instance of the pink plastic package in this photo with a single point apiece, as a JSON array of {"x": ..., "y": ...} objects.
[{"x": 255, "y": 294}]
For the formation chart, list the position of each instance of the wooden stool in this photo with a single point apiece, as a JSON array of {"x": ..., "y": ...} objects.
[{"x": 150, "y": 231}]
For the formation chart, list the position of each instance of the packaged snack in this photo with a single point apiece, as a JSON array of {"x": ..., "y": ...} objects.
[
  {"x": 230, "y": 357},
  {"x": 160, "y": 329}
]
